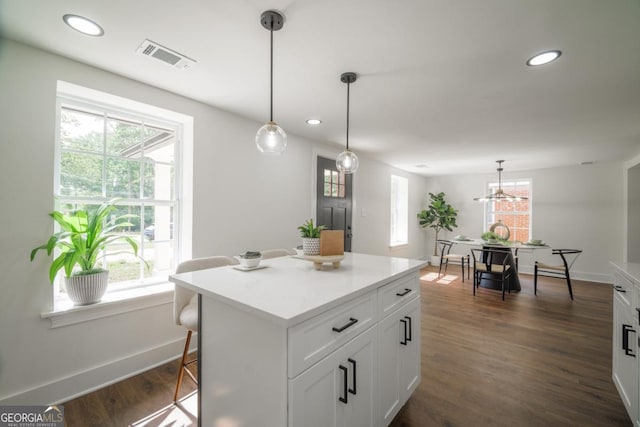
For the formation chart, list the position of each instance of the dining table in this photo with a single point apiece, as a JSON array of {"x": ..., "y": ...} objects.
[{"x": 513, "y": 247}]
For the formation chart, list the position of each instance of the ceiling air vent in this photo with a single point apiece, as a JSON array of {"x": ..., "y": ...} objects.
[{"x": 161, "y": 53}]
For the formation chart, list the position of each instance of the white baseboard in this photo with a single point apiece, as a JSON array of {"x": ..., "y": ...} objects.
[{"x": 81, "y": 383}]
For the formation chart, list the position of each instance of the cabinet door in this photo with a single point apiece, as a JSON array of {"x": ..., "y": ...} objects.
[
  {"x": 625, "y": 363},
  {"x": 314, "y": 394},
  {"x": 360, "y": 359},
  {"x": 398, "y": 359},
  {"x": 389, "y": 332},
  {"x": 410, "y": 353},
  {"x": 338, "y": 390}
]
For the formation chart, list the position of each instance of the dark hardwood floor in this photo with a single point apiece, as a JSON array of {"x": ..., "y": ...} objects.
[{"x": 525, "y": 361}]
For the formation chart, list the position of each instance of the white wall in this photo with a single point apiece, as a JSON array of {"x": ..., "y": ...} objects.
[
  {"x": 632, "y": 212},
  {"x": 372, "y": 215},
  {"x": 242, "y": 200},
  {"x": 579, "y": 207}
]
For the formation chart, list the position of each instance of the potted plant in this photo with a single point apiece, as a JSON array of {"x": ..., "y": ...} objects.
[
  {"x": 83, "y": 237},
  {"x": 310, "y": 237},
  {"x": 439, "y": 215}
]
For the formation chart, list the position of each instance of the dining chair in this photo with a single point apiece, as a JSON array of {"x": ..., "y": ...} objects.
[
  {"x": 274, "y": 253},
  {"x": 560, "y": 271},
  {"x": 185, "y": 309},
  {"x": 446, "y": 256},
  {"x": 493, "y": 265}
]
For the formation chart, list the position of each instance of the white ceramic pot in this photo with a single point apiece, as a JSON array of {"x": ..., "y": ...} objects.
[
  {"x": 311, "y": 246},
  {"x": 87, "y": 289}
]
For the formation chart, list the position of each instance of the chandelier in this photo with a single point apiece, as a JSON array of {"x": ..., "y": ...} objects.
[{"x": 500, "y": 195}]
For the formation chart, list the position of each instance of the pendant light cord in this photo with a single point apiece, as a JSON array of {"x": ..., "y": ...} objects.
[
  {"x": 271, "y": 73},
  {"x": 348, "y": 85}
]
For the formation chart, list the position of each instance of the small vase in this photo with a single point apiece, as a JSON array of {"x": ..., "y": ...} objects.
[
  {"x": 87, "y": 289},
  {"x": 311, "y": 246}
]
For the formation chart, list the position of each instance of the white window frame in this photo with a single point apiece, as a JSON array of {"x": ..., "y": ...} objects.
[
  {"x": 138, "y": 296},
  {"x": 399, "y": 211},
  {"x": 507, "y": 187}
]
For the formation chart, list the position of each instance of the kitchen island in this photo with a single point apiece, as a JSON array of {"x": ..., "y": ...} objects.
[{"x": 289, "y": 345}]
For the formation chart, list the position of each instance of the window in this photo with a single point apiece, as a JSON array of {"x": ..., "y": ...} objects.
[
  {"x": 104, "y": 152},
  {"x": 334, "y": 183},
  {"x": 515, "y": 215},
  {"x": 399, "y": 211}
]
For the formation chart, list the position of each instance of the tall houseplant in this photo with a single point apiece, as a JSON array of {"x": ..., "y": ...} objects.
[
  {"x": 310, "y": 237},
  {"x": 439, "y": 215},
  {"x": 82, "y": 240}
]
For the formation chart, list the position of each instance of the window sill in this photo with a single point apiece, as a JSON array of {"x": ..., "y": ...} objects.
[
  {"x": 113, "y": 303},
  {"x": 397, "y": 246}
]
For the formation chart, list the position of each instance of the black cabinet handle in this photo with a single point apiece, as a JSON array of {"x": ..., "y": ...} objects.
[
  {"x": 638, "y": 310},
  {"x": 352, "y": 321},
  {"x": 404, "y": 322},
  {"x": 344, "y": 377},
  {"x": 620, "y": 289},
  {"x": 401, "y": 294},
  {"x": 409, "y": 319},
  {"x": 625, "y": 340},
  {"x": 353, "y": 365}
]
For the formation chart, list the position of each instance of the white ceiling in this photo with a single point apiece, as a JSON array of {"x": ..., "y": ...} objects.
[{"x": 441, "y": 83}]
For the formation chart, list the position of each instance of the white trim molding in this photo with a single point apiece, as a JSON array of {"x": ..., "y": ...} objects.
[
  {"x": 80, "y": 383},
  {"x": 112, "y": 304}
]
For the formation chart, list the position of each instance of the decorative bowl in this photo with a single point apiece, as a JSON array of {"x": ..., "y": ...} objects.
[{"x": 249, "y": 259}]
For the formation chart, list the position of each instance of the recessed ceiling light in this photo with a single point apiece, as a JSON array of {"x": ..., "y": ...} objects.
[
  {"x": 314, "y": 122},
  {"x": 84, "y": 25},
  {"x": 544, "y": 58}
]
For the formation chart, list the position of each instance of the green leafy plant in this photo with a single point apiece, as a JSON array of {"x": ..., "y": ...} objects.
[
  {"x": 439, "y": 215},
  {"x": 83, "y": 237},
  {"x": 491, "y": 235},
  {"x": 307, "y": 230}
]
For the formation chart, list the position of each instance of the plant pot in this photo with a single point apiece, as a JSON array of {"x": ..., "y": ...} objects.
[
  {"x": 87, "y": 289},
  {"x": 311, "y": 246},
  {"x": 435, "y": 259}
]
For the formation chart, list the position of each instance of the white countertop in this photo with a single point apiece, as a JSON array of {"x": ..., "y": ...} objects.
[
  {"x": 629, "y": 269},
  {"x": 289, "y": 290}
]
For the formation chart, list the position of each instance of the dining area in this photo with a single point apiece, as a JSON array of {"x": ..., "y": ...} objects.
[{"x": 492, "y": 261}]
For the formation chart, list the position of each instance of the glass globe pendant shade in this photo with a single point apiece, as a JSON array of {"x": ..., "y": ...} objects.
[
  {"x": 271, "y": 139},
  {"x": 347, "y": 162}
]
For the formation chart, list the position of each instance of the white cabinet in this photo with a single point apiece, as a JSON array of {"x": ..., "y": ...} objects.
[
  {"x": 625, "y": 370},
  {"x": 366, "y": 381},
  {"x": 399, "y": 359},
  {"x": 290, "y": 346},
  {"x": 339, "y": 390}
]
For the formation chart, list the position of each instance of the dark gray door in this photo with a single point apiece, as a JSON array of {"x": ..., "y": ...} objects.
[{"x": 333, "y": 199}]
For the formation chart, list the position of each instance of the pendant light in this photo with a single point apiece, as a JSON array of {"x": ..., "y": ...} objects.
[
  {"x": 271, "y": 138},
  {"x": 347, "y": 161},
  {"x": 500, "y": 195}
]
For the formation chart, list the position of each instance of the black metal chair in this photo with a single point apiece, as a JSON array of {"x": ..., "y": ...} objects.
[
  {"x": 446, "y": 256},
  {"x": 493, "y": 265},
  {"x": 557, "y": 271}
]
